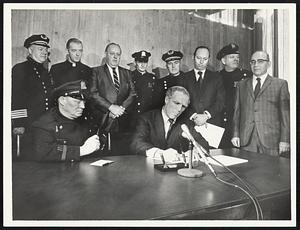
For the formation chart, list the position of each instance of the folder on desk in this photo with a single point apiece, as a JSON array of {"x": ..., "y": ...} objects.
[{"x": 213, "y": 134}]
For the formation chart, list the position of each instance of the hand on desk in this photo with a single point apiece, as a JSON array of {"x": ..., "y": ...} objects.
[
  {"x": 19, "y": 130},
  {"x": 284, "y": 147},
  {"x": 170, "y": 155},
  {"x": 91, "y": 145}
]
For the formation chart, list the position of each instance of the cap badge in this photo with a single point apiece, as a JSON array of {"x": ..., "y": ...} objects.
[
  {"x": 170, "y": 52},
  {"x": 143, "y": 54}
]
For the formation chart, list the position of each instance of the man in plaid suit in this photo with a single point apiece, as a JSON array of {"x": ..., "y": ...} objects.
[{"x": 262, "y": 111}]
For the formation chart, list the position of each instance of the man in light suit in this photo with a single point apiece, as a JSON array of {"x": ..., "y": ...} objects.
[
  {"x": 159, "y": 132},
  {"x": 262, "y": 110},
  {"x": 206, "y": 90},
  {"x": 112, "y": 91}
]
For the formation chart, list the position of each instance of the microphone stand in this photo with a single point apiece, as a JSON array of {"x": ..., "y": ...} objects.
[{"x": 190, "y": 172}]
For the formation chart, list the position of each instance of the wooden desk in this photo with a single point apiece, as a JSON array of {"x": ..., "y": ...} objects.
[{"x": 131, "y": 189}]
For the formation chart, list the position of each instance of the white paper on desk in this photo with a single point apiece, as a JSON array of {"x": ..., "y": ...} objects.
[
  {"x": 225, "y": 160},
  {"x": 101, "y": 162},
  {"x": 212, "y": 134}
]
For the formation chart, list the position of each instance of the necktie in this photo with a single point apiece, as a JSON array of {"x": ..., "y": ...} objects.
[
  {"x": 257, "y": 87},
  {"x": 171, "y": 121},
  {"x": 116, "y": 80},
  {"x": 200, "y": 77}
]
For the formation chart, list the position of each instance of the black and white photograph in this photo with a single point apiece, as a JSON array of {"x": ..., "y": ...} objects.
[{"x": 157, "y": 115}]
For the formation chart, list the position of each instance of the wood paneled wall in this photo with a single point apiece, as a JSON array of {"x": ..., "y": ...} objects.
[{"x": 156, "y": 31}]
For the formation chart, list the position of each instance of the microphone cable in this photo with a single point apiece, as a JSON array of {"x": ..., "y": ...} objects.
[{"x": 258, "y": 209}]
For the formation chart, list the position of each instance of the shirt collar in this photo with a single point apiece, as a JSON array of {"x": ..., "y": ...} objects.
[
  {"x": 165, "y": 116},
  {"x": 197, "y": 71},
  {"x": 262, "y": 78}
]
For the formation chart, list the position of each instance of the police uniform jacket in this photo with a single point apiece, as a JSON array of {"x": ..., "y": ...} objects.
[
  {"x": 164, "y": 84},
  {"x": 57, "y": 138},
  {"x": 230, "y": 80},
  {"x": 31, "y": 90},
  {"x": 64, "y": 72},
  {"x": 144, "y": 86}
]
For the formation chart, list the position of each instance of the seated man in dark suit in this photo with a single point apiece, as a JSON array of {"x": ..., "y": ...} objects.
[
  {"x": 62, "y": 133},
  {"x": 159, "y": 131}
]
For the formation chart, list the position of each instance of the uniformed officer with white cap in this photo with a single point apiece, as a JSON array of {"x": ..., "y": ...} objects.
[
  {"x": 31, "y": 89},
  {"x": 229, "y": 55},
  {"x": 145, "y": 84}
]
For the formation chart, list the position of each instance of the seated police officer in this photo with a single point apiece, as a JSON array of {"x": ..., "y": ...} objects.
[{"x": 62, "y": 133}]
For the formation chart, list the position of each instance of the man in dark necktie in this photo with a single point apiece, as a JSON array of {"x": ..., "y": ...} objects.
[
  {"x": 112, "y": 92},
  {"x": 159, "y": 131},
  {"x": 262, "y": 111},
  {"x": 206, "y": 90}
]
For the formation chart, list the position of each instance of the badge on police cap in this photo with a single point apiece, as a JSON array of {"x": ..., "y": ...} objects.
[
  {"x": 37, "y": 39},
  {"x": 141, "y": 56},
  {"x": 231, "y": 48},
  {"x": 172, "y": 55}
]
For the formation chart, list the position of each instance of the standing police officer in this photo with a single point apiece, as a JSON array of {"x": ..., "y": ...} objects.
[
  {"x": 145, "y": 84},
  {"x": 229, "y": 55},
  {"x": 173, "y": 61},
  {"x": 31, "y": 90}
]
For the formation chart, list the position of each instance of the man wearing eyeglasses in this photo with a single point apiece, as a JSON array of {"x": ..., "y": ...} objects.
[
  {"x": 206, "y": 90},
  {"x": 63, "y": 134},
  {"x": 262, "y": 111}
]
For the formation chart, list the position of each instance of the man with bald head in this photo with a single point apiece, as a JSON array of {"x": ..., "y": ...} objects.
[
  {"x": 112, "y": 92},
  {"x": 262, "y": 110}
]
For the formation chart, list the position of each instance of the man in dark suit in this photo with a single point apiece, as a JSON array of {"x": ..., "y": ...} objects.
[
  {"x": 262, "y": 110},
  {"x": 112, "y": 91},
  {"x": 231, "y": 74},
  {"x": 206, "y": 90},
  {"x": 31, "y": 91},
  {"x": 72, "y": 69},
  {"x": 159, "y": 131}
]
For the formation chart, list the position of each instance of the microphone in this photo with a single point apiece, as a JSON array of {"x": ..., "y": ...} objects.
[{"x": 186, "y": 134}]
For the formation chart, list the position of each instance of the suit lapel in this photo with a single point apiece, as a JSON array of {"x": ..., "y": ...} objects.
[
  {"x": 108, "y": 75},
  {"x": 160, "y": 126},
  {"x": 250, "y": 87},
  {"x": 265, "y": 85}
]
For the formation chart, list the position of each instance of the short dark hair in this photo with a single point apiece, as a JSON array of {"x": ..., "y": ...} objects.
[
  {"x": 75, "y": 40},
  {"x": 110, "y": 44},
  {"x": 201, "y": 47}
]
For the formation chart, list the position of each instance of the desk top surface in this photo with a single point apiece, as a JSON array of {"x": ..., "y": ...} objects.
[{"x": 130, "y": 188}]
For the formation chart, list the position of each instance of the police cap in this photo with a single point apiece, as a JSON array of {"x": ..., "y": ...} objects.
[
  {"x": 172, "y": 55},
  {"x": 76, "y": 89},
  {"x": 37, "y": 39},
  {"x": 231, "y": 48},
  {"x": 141, "y": 56}
]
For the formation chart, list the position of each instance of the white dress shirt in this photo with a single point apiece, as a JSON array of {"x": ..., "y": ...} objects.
[
  {"x": 262, "y": 80},
  {"x": 111, "y": 72}
]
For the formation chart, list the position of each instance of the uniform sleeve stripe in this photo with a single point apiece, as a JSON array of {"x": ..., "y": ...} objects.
[
  {"x": 64, "y": 153},
  {"x": 20, "y": 113}
]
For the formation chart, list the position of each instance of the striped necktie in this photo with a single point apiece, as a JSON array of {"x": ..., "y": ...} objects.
[{"x": 116, "y": 80}]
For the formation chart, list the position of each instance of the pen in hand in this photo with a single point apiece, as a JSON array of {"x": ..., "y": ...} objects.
[{"x": 163, "y": 160}]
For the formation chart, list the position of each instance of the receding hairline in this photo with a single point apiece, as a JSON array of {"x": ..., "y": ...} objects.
[
  {"x": 261, "y": 51},
  {"x": 112, "y": 44}
]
